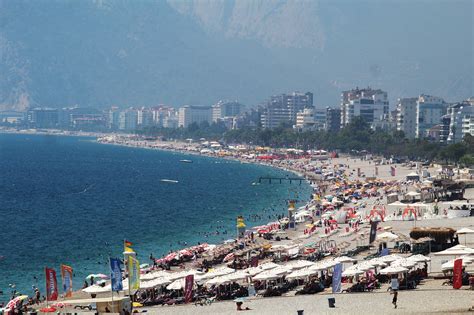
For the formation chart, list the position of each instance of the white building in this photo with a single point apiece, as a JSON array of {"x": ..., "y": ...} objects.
[
  {"x": 128, "y": 119},
  {"x": 429, "y": 111},
  {"x": 371, "y": 105},
  {"x": 194, "y": 114},
  {"x": 144, "y": 117},
  {"x": 461, "y": 121},
  {"x": 406, "y": 116},
  {"x": 284, "y": 108},
  {"x": 225, "y": 109}
]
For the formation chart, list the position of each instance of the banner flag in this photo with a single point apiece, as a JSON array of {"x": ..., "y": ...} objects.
[
  {"x": 133, "y": 273},
  {"x": 66, "y": 276},
  {"x": 457, "y": 274},
  {"x": 127, "y": 246},
  {"x": 373, "y": 231},
  {"x": 51, "y": 284},
  {"x": 116, "y": 274},
  {"x": 336, "y": 278},
  {"x": 188, "y": 289}
]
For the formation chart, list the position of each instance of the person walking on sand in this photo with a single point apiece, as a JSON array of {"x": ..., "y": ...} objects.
[{"x": 394, "y": 285}]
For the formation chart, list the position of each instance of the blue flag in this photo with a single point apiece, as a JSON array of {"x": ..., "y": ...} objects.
[
  {"x": 336, "y": 278},
  {"x": 116, "y": 274}
]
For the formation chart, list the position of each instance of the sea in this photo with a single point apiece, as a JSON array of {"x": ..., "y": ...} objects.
[{"x": 71, "y": 200}]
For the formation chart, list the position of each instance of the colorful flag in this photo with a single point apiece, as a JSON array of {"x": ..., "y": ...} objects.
[
  {"x": 188, "y": 289},
  {"x": 373, "y": 231},
  {"x": 66, "y": 276},
  {"x": 51, "y": 284},
  {"x": 133, "y": 273},
  {"x": 116, "y": 274},
  {"x": 127, "y": 246},
  {"x": 336, "y": 278},
  {"x": 457, "y": 274}
]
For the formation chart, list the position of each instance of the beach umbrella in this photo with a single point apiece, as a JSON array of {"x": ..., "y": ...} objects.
[
  {"x": 95, "y": 289},
  {"x": 404, "y": 263},
  {"x": 393, "y": 270},
  {"x": 457, "y": 250},
  {"x": 268, "y": 265},
  {"x": 419, "y": 258},
  {"x": 350, "y": 272},
  {"x": 465, "y": 231},
  {"x": 48, "y": 309},
  {"x": 390, "y": 258},
  {"x": 14, "y": 302},
  {"x": 298, "y": 264},
  {"x": 344, "y": 259},
  {"x": 386, "y": 236},
  {"x": 450, "y": 264},
  {"x": 176, "y": 285},
  {"x": 101, "y": 276}
]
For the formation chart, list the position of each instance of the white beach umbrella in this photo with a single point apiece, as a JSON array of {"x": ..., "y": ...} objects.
[
  {"x": 450, "y": 264},
  {"x": 96, "y": 289},
  {"x": 393, "y": 270},
  {"x": 344, "y": 259},
  {"x": 386, "y": 236},
  {"x": 419, "y": 258},
  {"x": 465, "y": 231},
  {"x": 377, "y": 262},
  {"x": 456, "y": 251},
  {"x": 350, "y": 272},
  {"x": 268, "y": 265},
  {"x": 404, "y": 263},
  {"x": 390, "y": 258},
  {"x": 176, "y": 285},
  {"x": 298, "y": 264},
  {"x": 301, "y": 273}
]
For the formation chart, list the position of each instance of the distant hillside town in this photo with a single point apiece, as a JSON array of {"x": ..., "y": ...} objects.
[{"x": 422, "y": 117}]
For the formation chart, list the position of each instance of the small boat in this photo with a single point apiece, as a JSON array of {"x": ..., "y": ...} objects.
[
  {"x": 169, "y": 181},
  {"x": 186, "y": 161}
]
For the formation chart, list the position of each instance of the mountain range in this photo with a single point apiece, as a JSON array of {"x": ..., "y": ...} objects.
[{"x": 100, "y": 53}]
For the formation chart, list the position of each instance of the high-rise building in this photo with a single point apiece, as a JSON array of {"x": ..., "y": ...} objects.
[
  {"x": 305, "y": 120},
  {"x": 461, "y": 121},
  {"x": 429, "y": 111},
  {"x": 144, "y": 117},
  {"x": 371, "y": 105},
  {"x": 406, "y": 116},
  {"x": 128, "y": 119},
  {"x": 113, "y": 117},
  {"x": 225, "y": 109},
  {"x": 284, "y": 108},
  {"x": 333, "y": 119},
  {"x": 190, "y": 114}
]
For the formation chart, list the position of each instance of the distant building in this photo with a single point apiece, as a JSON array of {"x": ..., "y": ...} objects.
[
  {"x": 190, "y": 114},
  {"x": 371, "y": 105},
  {"x": 333, "y": 120},
  {"x": 128, "y": 119},
  {"x": 429, "y": 111},
  {"x": 43, "y": 118},
  {"x": 165, "y": 113},
  {"x": 461, "y": 121},
  {"x": 113, "y": 116},
  {"x": 406, "y": 116},
  {"x": 284, "y": 108},
  {"x": 12, "y": 117},
  {"x": 225, "y": 109},
  {"x": 144, "y": 118},
  {"x": 305, "y": 120}
]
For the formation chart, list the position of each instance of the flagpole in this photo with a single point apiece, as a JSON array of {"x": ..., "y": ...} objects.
[{"x": 46, "y": 285}]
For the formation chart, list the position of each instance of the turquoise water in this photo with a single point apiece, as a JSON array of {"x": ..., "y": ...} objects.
[{"x": 71, "y": 200}]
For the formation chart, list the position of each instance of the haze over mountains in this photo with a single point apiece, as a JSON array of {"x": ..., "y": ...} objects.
[{"x": 132, "y": 53}]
